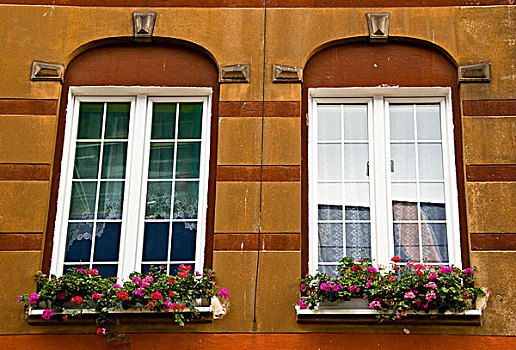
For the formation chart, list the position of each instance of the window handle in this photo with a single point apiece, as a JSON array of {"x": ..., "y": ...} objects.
[
  {"x": 367, "y": 169},
  {"x": 392, "y": 166}
]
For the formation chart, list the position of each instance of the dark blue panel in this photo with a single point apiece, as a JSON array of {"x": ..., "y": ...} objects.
[
  {"x": 158, "y": 269},
  {"x": 68, "y": 269},
  {"x": 183, "y": 241},
  {"x": 107, "y": 242},
  {"x": 78, "y": 241},
  {"x": 107, "y": 270},
  {"x": 155, "y": 241}
]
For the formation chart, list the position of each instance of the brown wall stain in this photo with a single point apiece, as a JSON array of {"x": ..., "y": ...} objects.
[
  {"x": 20, "y": 241},
  {"x": 484, "y": 173},
  {"x": 255, "y": 109},
  {"x": 249, "y": 241},
  {"x": 493, "y": 241},
  {"x": 489, "y": 108},
  {"x": 28, "y": 106},
  {"x": 257, "y": 173},
  {"x": 24, "y": 172}
]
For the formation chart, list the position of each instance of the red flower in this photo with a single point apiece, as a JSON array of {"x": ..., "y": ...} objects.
[
  {"x": 122, "y": 294},
  {"x": 418, "y": 272},
  {"x": 396, "y": 259},
  {"x": 171, "y": 294},
  {"x": 76, "y": 299},
  {"x": 157, "y": 295},
  {"x": 171, "y": 280},
  {"x": 93, "y": 272}
]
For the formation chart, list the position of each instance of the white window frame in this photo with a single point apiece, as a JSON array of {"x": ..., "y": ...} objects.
[
  {"x": 137, "y": 163},
  {"x": 378, "y": 99}
]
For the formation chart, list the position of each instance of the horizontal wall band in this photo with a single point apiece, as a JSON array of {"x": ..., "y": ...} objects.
[
  {"x": 485, "y": 108},
  {"x": 254, "y": 109},
  {"x": 493, "y": 241},
  {"x": 24, "y": 172},
  {"x": 20, "y": 241},
  {"x": 487, "y": 173},
  {"x": 249, "y": 241},
  {"x": 271, "y": 173},
  {"x": 28, "y": 107},
  {"x": 230, "y": 341},
  {"x": 259, "y": 3}
]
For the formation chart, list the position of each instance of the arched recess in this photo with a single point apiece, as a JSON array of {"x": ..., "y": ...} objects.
[
  {"x": 400, "y": 62},
  {"x": 121, "y": 62}
]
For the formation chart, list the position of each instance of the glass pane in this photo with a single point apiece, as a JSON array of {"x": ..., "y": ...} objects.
[
  {"x": 174, "y": 268},
  {"x": 428, "y": 120},
  {"x": 163, "y": 121},
  {"x": 328, "y": 122},
  {"x": 329, "y": 212},
  {"x": 404, "y": 157},
  {"x": 82, "y": 206},
  {"x": 433, "y": 211},
  {"x": 158, "y": 268},
  {"x": 330, "y": 242},
  {"x": 90, "y": 120},
  {"x": 78, "y": 241},
  {"x": 406, "y": 242},
  {"x": 186, "y": 200},
  {"x": 435, "y": 243},
  {"x": 358, "y": 240},
  {"x": 356, "y": 157},
  {"x": 401, "y": 122},
  {"x": 71, "y": 268},
  {"x": 155, "y": 241},
  {"x": 404, "y": 210},
  {"x": 183, "y": 241},
  {"x": 110, "y": 200},
  {"x": 190, "y": 116},
  {"x": 117, "y": 120},
  {"x": 430, "y": 161},
  {"x": 329, "y": 193},
  {"x": 107, "y": 241},
  {"x": 355, "y": 122},
  {"x": 356, "y": 195},
  {"x": 188, "y": 160},
  {"x": 107, "y": 270},
  {"x": 161, "y": 160},
  {"x": 432, "y": 201},
  {"x": 404, "y": 192},
  {"x": 329, "y": 270},
  {"x": 113, "y": 160},
  {"x": 329, "y": 162},
  {"x": 86, "y": 160},
  {"x": 358, "y": 213},
  {"x": 158, "y": 200}
]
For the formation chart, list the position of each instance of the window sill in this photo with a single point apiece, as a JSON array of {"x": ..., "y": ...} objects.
[{"x": 368, "y": 316}]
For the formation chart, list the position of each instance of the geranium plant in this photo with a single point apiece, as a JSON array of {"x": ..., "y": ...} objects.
[
  {"x": 396, "y": 290},
  {"x": 82, "y": 289}
]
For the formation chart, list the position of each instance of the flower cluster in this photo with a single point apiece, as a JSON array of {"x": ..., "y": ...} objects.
[
  {"x": 394, "y": 291},
  {"x": 81, "y": 289}
]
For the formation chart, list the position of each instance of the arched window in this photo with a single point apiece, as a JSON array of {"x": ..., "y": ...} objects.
[
  {"x": 135, "y": 148},
  {"x": 381, "y": 155}
]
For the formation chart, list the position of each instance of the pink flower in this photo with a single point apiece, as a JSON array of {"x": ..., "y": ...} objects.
[
  {"x": 409, "y": 295},
  {"x": 101, "y": 331},
  {"x": 374, "y": 304},
  {"x": 96, "y": 296},
  {"x": 433, "y": 276},
  {"x": 410, "y": 264},
  {"x": 93, "y": 272},
  {"x": 116, "y": 286},
  {"x": 144, "y": 284},
  {"x": 33, "y": 298},
  {"x": 354, "y": 288},
  {"x": 431, "y": 285},
  {"x": 19, "y": 299},
  {"x": 224, "y": 293},
  {"x": 81, "y": 270},
  {"x": 468, "y": 270},
  {"x": 368, "y": 283},
  {"x": 303, "y": 304},
  {"x": 157, "y": 295},
  {"x": 148, "y": 279},
  {"x": 392, "y": 279},
  {"x": 140, "y": 292},
  {"x": 430, "y": 295},
  {"x": 47, "y": 313},
  {"x": 356, "y": 268},
  {"x": 335, "y": 288},
  {"x": 150, "y": 304},
  {"x": 137, "y": 280},
  {"x": 371, "y": 270},
  {"x": 425, "y": 305}
]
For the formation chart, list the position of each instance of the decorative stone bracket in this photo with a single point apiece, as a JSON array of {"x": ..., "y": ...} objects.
[
  {"x": 44, "y": 71},
  {"x": 475, "y": 73},
  {"x": 286, "y": 74},
  {"x": 143, "y": 23},
  {"x": 237, "y": 73},
  {"x": 378, "y": 25}
]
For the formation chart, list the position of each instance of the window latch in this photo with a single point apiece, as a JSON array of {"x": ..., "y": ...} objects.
[{"x": 392, "y": 166}]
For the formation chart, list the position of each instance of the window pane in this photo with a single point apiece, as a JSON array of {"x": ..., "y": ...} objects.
[
  {"x": 433, "y": 211},
  {"x": 355, "y": 122},
  {"x": 401, "y": 122},
  {"x": 188, "y": 160},
  {"x": 114, "y": 158},
  {"x": 330, "y": 242},
  {"x": 404, "y": 210},
  {"x": 358, "y": 213},
  {"x": 90, "y": 120},
  {"x": 430, "y": 161},
  {"x": 158, "y": 200},
  {"x": 404, "y": 192},
  {"x": 161, "y": 160},
  {"x": 358, "y": 240},
  {"x": 190, "y": 116},
  {"x": 329, "y": 212},
  {"x": 78, "y": 241},
  {"x": 406, "y": 242},
  {"x": 329, "y": 122},
  {"x": 330, "y": 162},
  {"x": 356, "y": 157},
  {"x": 163, "y": 120},
  {"x": 117, "y": 120},
  {"x": 107, "y": 270},
  {"x": 356, "y": 195},
  {"x": 186, "y": 199},
  {"x": 82, "y": 206},
  {"x": 174, "y": 268},
  {"x": 428, "y": 119},
  {"x": 435, "y": 243},
  {"x": 107, "y": 241},
  {"x": 403, "y": 156},
  {"x": 155, "y": 241},
  {"x": 329, "y": 193},
  {"x": 329, "y": 270},
  {"x": 183, "y": 241},
  {"x": 86, "y": 160},
  {"x": 110, "y": 200}
]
